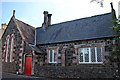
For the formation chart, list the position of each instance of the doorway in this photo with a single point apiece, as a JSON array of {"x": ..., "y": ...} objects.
[{"x": 28, "y": 65}]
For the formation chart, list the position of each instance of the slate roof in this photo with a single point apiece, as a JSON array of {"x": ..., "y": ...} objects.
[
  {"x": 80, "y": 29},
  {"x": 38, "y": 50},
  {"x": 27, "y": 31}
]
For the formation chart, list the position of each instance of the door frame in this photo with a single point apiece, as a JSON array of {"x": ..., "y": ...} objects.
[{"x": 32, "y": 68}]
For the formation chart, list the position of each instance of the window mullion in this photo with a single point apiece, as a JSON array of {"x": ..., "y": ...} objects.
[
  {"x": 83, "y": 55},
  {"x": 96, "y": 53},
  {"x": 89, "y": 55},
  {"x": 101, "y": 55},
  {"x": 49, "y": 55},
  {"x": 7, "y": 50},
  {"x": 52, "y": 55},
  {"x": 11, "y": 50}
]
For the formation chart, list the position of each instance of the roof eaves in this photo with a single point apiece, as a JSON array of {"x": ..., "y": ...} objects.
[{"x": 110, "y": 36}]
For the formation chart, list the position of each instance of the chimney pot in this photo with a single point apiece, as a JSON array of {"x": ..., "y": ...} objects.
[
  {"x": 13, "y": 13},
  {"x": 45, "y": 12},
  {"x": 49, "y": 19}
]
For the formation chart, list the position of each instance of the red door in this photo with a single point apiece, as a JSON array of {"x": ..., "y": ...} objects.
[{"x": 28, "y": 65}]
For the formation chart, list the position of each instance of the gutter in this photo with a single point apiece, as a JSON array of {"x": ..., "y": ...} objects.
[{"x": 35, "y": 38}]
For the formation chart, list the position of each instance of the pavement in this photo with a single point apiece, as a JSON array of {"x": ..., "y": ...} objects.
[{"x": 11, "y": 76}]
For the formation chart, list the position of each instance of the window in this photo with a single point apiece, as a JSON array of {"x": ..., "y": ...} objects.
[
  {"x": 11, "y": 48},
  {"x": 90, "y": 55},
  {"x": 7, "y": 48},
  {"x": 52, "y": 56}
]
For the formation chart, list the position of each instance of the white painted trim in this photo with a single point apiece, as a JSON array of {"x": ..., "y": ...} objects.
[
  {"x": 6, "y": 57},
  {"x": 90, "y": 62},
  {"x": 101, "y": 55},
  {"x": 52, "y": 62},
  {"x": 89, "y": 55},
  {"x": 11, "y": 48},
  {"x": 83, "y": 54},
  {"x": 49, "y": 55},
  {"x": 53, "y": 54},
  {"x": 96, "y": 54}
]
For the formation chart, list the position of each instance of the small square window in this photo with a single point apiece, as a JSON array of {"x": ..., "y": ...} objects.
[{"x": 52, "y": 56}]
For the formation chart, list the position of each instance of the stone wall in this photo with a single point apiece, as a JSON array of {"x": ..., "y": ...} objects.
[
  {"x": 81, "y": 71},
  {"x": 20, "y": 48},
  {"x": 73, "y": 69},
  {"x": 71, "y": 49},
  {"x": 17, "y": 48}
]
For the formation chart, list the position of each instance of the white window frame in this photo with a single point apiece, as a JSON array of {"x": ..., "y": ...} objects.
[
  {"x": 11, "y": 48},
  {"x": 90, "y": 62},
  {"x": 53, "y": 54},
  {"x": 6, "y": 57}
]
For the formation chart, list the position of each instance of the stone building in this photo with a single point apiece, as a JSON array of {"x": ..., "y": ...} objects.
[
  {"x": 72, "y": 49},
  {"x": 4, "y": 26},
  {"x": 75, "y": 49},
  {"x": 16, "y": 46}
]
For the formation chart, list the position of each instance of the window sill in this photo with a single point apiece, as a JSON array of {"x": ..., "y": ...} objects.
[
  {"x": 90, "y": 62},
  {"x": 53, "y": 62}
]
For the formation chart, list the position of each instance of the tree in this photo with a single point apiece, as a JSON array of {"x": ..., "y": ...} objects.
[
  {"x": 114, "y": 56},
  {"x": 98, "y": 2}
]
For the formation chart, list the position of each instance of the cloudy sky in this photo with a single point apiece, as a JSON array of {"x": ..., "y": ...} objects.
[{"x": 31, "y": 12}]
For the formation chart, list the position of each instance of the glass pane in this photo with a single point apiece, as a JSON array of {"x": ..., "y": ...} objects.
[
  {"x": 55, "y": 58},
  {"x": 50, "y": 54},
  {"x": 80, "y": 52},
  {"x": 93, "y": 54},
  {"x": 7, "y": 49},
  {"x": 99, "y": 54},
  {"x": 86, "y": 51},
  {"x": 11, "y": 52}
]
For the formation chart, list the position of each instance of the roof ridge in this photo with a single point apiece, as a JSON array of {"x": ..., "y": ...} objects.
[
  {"x": 81, "y": 18},
  {"x": 80, "y": 29}
]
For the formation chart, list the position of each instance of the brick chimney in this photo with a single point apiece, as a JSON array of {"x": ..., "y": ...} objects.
[
  {"x": 49, "y": 19},
  {"x": 4, "y": 26},
  {"x": 45, "y": 17},
  {"x": 45, "y": 23}
]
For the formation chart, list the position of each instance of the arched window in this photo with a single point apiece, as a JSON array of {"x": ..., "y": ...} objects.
[
  {"x": 7, "y": 48},
  {"x": 11, "y": 47}
]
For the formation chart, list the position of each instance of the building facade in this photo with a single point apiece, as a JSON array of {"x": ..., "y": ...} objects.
[
  {"x": 73, "y": 49},
  {"x": 16, "y": 41},
  {"x": 76, "y": 49}
]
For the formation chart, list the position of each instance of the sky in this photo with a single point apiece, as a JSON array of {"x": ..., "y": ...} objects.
[{"x": 31, "y": 12}]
